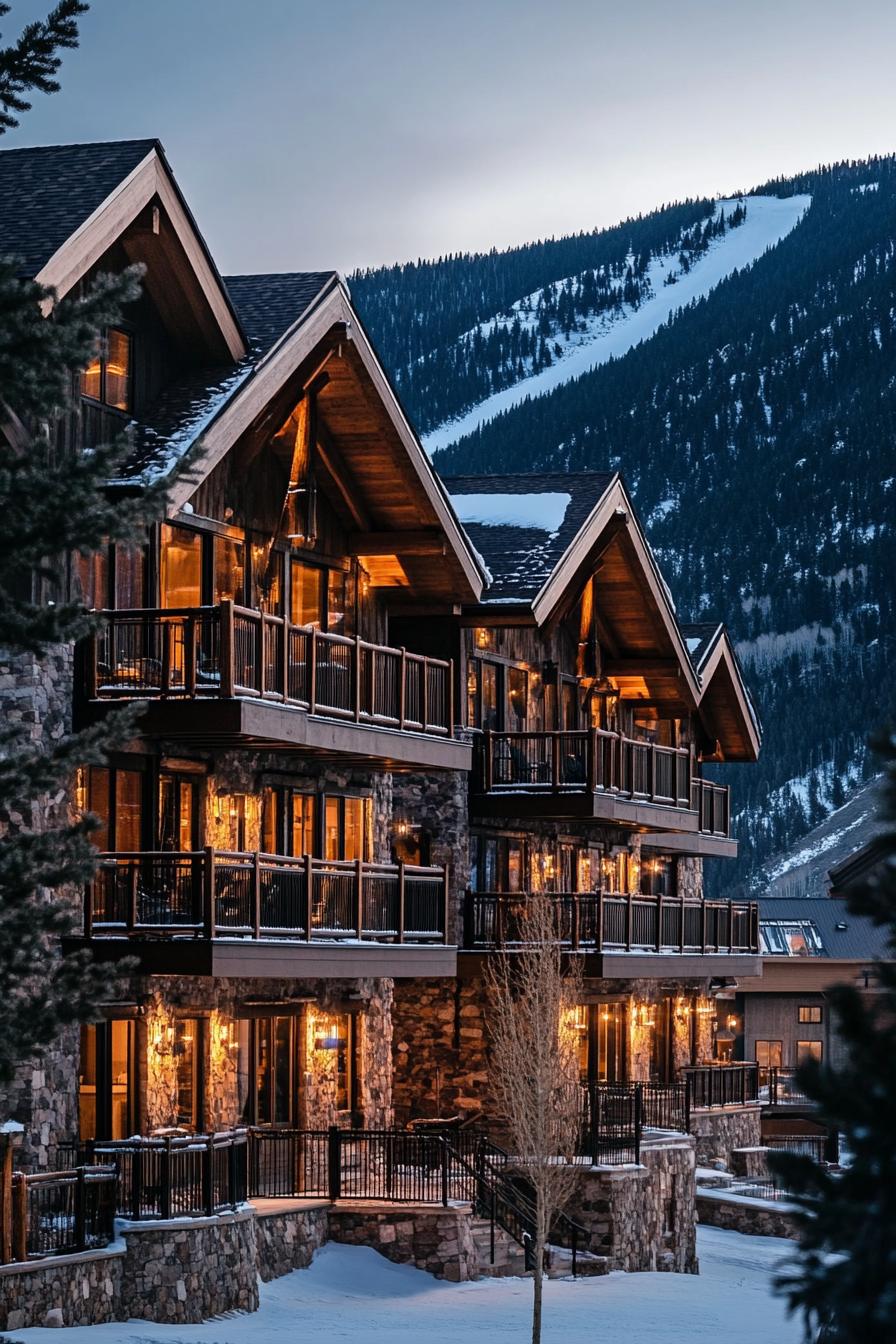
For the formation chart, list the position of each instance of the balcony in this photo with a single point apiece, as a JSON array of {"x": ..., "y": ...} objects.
[
  {"x": 626, "y": 934},
  {"x": 594, "y": 773},
  {"x": 248, "y": 676},
  {"x": 219, "y": 913}
]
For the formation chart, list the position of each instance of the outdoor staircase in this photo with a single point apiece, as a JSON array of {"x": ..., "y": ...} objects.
[{"x": 509, "y": 1261}]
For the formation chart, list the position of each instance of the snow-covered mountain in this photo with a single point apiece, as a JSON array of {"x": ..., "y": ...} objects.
[{"x": 738, "y": 364}]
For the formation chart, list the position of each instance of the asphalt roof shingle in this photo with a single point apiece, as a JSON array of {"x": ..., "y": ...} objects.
[
  {"x": 268, "y": 305},
  {"x": 521, "y": 558},
  {"x": 46, "y": 193}
]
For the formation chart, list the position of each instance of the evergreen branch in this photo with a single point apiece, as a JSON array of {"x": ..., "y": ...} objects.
[{"x": 33, "y": 61}]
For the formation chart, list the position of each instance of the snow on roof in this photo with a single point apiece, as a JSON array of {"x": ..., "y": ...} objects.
[{"x": 544, "y": 511}]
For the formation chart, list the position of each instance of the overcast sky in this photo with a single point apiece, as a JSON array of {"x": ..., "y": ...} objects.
[{"x": 318, "y": 133}]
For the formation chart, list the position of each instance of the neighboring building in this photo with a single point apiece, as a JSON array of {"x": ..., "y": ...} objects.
[
  {"x": 380, "y": 710},
  {"x": 809, "y": 945}
]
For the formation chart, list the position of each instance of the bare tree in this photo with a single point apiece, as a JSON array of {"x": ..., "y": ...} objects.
[{"x": 534, "y": 1068}]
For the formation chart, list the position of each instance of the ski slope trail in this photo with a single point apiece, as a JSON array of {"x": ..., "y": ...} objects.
[{"x": 769, "y": 219}]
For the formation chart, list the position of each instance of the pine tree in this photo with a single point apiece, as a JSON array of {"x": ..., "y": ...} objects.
[
  {"x": 50, "y": 507},
  {"x": 844, "y": 1278}
]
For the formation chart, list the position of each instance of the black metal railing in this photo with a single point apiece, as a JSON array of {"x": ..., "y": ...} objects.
[
  {"x": 816, "y": 1146},
  {"x": 612, "y": 1123},
  {"x": 178, "y": 1176},
  {"x": 615, "y": 922},
  {"x": 228, "y": 650},
  {"x": 781, "y": 1088},
  {"x": 61, "y": 1212},
  {"x": 712, "y": 1085},
  {"x": 218, "y": 894}
]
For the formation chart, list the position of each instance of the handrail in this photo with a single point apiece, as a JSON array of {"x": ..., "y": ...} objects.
[
  {"x": 589, "y": 760},
  {"x": 728, "y": 1083},
  {"x": 229, "y": 650},
  {"x": 618, "y": 922},
  {"x": 214, "y": 893}
]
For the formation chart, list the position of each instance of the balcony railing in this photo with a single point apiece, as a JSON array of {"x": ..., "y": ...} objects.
[
  {"x": 216, "y": 894},
  {"x": 711, "y": 1085},
  {"x": 613, "y": 922},
  {"x": 227, "y": 651},
  {"x": 711, "y": 803}
]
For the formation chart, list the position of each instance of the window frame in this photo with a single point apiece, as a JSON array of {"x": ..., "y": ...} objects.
[
  {"x": 127, "y": 332},
  {"x": 810, "y": 1014}
]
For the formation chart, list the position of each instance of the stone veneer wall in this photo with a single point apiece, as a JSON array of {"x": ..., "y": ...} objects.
[
  {"x": 36, "y": 695},
  {"x": 721, "y": 1130},
  {"x": 642, "y": 1218},
  {"x": 162, "y": 998},
  {"x": 439, "y": 804}
]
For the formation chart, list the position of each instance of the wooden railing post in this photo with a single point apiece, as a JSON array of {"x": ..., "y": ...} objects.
[
  {"x": 260, "y": 659},
  {"x": 681, "y": 909},
  {"x": 284, "y": 658},
  {"x": 401, "y": 887},
  {"x": 402, "y": 687},
  {"x": 356, "y": 664},
  {"x": 576, "y": 922},
  {"x": 489, "y": 749},
  {"x": 207, "y": 891},
  {"x": 600, "y": 920},
  {"x": 593, "y": 775},
  {"x": 19, "y": 1217},
  {"x": 309, "y": 895},
  {"x": 446, "y": 896},
  {"x": 450, "y": 705},
  {"x": 359, "y": 896},
  {"x": 6, "y": 1197},
  {"x": 703, "y": 922},
  {"x": 628, "y": 924},
  {"x": 312, "y": 670},
  {"x": 167, "y": 641},
  {"x": 730, "y": 926},
  {"x": 91, "y": 671},
  {"x": 133, "y": 896},
  {"x": 190, "y": 659},
  {"x": 653, "y": 756},
  {"x": 556, "y": 780},
  {"x": 256, "y": 894},
  {"x": 228, "y": 650},
  {"x": 659, "y": 922}
]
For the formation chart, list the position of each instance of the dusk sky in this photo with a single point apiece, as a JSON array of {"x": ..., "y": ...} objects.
[{"x": 344, "y": 134}]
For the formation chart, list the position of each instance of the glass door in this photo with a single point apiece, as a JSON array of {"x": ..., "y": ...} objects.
[{"x": 107, "y": 1083}]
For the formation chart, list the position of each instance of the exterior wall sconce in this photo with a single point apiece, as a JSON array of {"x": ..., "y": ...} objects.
[{"x": 482, "y": 637}]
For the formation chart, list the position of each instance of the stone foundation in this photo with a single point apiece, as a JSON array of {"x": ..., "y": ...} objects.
[
  {"x": 437, "y": 1240},
  {"x": 750, "y": 1162},
  {"x": 642, "y": 1218},
  {"x": 720, "y": 1130}
]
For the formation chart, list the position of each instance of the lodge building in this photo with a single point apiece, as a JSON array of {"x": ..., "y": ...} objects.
[{"x": 379, "y": 709}]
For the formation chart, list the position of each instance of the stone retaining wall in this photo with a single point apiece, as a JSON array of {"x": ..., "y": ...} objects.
[
  {"x": 737, "y": 1213},
  {"x": 752, "y": 1162},
  {"x": 288, "y": 1236},
  {"x": 437, "y": 1240},
  {"x": 642, "y": 1218},
  {"x": 167, "y": 1272},
  {"x": 719, "y": 1130}
]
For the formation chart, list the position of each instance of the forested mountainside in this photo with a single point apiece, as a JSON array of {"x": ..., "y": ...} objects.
[{"x": 757, "y": 431}]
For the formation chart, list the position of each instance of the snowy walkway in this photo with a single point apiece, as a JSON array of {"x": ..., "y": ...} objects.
[
  {"x": 769, "y": 219},
  {"x": 352, "y": 1293}
]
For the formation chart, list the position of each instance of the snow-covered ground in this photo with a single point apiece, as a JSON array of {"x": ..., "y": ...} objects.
[
  {"x": 352, "y": 1293},
  {"x": 769, "y": 219}
]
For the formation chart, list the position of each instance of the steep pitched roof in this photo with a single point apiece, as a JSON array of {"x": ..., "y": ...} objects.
[
  {"x": 268, "y": 305},
  {"x": 700, "y": 636},
  {"x": 844, "y": 936},
  {"x": 522, "y": 525},
  {"x": 47, "y": 192}
]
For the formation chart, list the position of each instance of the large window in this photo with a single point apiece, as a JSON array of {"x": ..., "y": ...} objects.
[
  {"x": 268, "y": 1070},
  {"x": 769, "y": 1055},
  {"x": 809, "y": 1050},
  {"x": 658, "y": 873},
  {"x": 181, "y": 567},
  {"x": 600, "y": 1030},
  {"x": 496, "y": 863},
  {"x": 116, "y": 796},
  {"x": 107, "y": 378},
  {"x": 107, "y": 1085},
  {"x": 178, "y": 812},
  {"x": 345, "y": 828},
  {"x": 809, "y": 1013},
  {"x": 229, "y": 569},
  {"x": 331, "y": 1058}
]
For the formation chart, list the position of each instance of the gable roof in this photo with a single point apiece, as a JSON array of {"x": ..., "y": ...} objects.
[
  {"x": 522, "y": 525},
  {"x": 48, "y": 192},
  {"x": 77, "y": 201},
  {"x": 860, "y": 940}
]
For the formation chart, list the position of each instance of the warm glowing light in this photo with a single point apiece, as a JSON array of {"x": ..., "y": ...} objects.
[{"x": 482, "y": 637}]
